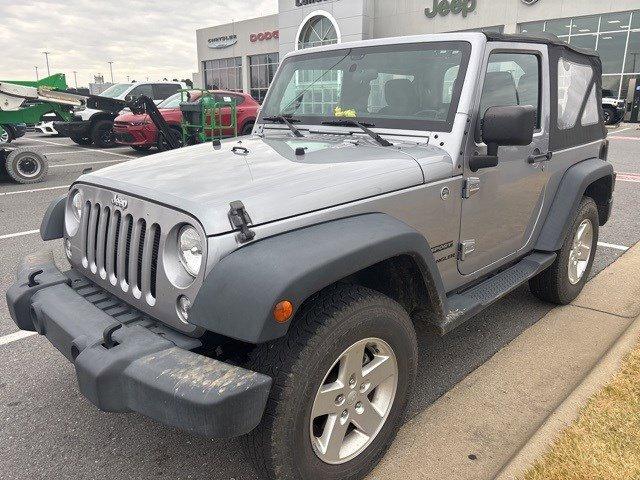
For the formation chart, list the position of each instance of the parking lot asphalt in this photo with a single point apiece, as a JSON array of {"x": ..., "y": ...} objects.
[{"x": 48, "y": 430}]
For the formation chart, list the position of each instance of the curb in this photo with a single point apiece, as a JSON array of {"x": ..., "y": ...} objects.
[{"x": 569, "y": 410}]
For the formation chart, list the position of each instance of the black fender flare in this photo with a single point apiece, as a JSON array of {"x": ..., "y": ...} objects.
[
  {"x": 52, "y": 226},
  {"x": 572, "y": 188},
  {"x": 240, "y": 292}
]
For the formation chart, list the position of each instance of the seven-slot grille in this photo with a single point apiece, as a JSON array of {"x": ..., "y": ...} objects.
[{"x": 121, "y": 248}]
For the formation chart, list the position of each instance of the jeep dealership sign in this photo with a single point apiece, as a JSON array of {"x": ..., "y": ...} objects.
[{"x": 445, "y": 7}]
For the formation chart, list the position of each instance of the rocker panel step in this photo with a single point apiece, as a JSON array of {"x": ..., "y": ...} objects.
[{"x": 463, "y": 306}]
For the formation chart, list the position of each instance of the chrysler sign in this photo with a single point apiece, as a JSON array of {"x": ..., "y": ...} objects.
[
  {"x": 300, "y": 3},
  {"x": 222, "y": 42}
]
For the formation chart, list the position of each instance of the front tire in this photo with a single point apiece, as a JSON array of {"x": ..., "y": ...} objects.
[
  {"x": 25, "y": 165},
  {"x": 564, "y": 280},
  {"x": 80, "y": 140},
  {"x": 141, "y": 148},
  {"x": 6, "y": 135},
  {"x": 342, "y": 378},
  {"x": 102, "y": 134}
]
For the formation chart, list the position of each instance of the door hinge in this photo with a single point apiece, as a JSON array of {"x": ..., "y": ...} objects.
[
  {"x": 466, "y": 248},
  {"x": 240, "y": 218},
  {"x": 471, "y": 187}
]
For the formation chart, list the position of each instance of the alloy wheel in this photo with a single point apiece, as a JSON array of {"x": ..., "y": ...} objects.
[
  {"x": 580, "y": 253},
  {"x": 354, "y": 401}
]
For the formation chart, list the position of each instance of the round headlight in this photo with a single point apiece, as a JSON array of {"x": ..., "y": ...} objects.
[
  {"x": 76, "y": 204},
  {"x": 190, "y": 249}
]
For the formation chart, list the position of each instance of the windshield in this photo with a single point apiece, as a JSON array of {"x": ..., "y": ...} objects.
[
  {"x": 173, "y": 101},
  {"x": 407, "y": 86},
  {"x": 116, "y": 90}
]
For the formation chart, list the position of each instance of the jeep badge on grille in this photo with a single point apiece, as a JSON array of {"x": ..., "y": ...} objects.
[{"x": 120, "y": 202}]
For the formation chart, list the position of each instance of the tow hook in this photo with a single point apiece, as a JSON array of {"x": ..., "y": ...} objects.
[
  {"x": 32, "y": 278},
  {"x": 107, "y": 335}
]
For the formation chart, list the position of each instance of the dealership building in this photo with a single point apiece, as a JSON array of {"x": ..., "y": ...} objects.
[{"x": 244, "y": 55}]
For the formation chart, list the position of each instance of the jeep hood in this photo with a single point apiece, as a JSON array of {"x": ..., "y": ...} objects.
[{"x": 269, "y": 178}]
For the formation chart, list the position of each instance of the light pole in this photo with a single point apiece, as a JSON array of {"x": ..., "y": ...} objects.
[
  {"x": 75, "y": 77},
  {"x": 128, "y": 77},
  {"x": 46, "y": 56},
  {"x": 111, "y": 69},
  {"x": 37, "y": 77}
]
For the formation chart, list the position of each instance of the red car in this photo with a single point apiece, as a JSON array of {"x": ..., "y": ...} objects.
[{"x": 139, "y": 132}]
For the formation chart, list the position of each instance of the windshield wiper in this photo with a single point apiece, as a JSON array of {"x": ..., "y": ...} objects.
[
  {"x": 288, "y": 122},
  {"x": 361, "y": 126}
]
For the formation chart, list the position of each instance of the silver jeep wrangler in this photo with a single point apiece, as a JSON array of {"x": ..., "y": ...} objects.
[{"x": 269, "y": 286}]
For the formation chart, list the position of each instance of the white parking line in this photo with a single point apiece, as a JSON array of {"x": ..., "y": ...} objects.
[
  {"x": 622, "y": 248},
  {"x": 14, "y": 337},
  {"x": 16, "y": 192},
  {"x": 60, "y": 165},
  {"x": 19, "y": 234},
  {"x": 622, "y": 130},
  {"x": 106, "y": 152}
]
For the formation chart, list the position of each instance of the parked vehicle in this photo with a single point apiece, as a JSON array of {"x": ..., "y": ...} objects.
[
  {"x": 10, "y": 132},
  {"x": 613, "y": 107},
  {"x": 141, "y": 134},
  {"x": 270, "y": 286},
  {"x": 90, "y": 126}
]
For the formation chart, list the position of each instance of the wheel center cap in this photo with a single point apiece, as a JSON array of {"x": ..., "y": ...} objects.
[{"x": 351, "y": 398}]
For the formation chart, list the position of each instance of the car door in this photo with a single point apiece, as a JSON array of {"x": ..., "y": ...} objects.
[{"x": 502, "y": 205}]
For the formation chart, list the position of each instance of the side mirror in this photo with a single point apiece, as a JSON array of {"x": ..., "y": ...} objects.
[{"x": 504, "y": 126}]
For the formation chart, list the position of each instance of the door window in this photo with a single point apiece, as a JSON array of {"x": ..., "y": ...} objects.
[
  {"x": 512, "y": 79},
  {"x": 141, "y": 90},
  {"x": 165, "y": 90}
]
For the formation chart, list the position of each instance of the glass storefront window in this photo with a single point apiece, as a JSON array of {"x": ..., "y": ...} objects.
[
  {"x": 611, "y": 34},
  {"x": 611, "y": 82},
  {"x": 559, "y": 27},
  {"x": 584, "y": 41},
  {"x": 585, "y": 25},
  {"x": 611, "y": 48},
  {"x": 223, "y": 74},
  {"x": 615, "y": 22},
  {"x": 318, "y": 31},
  {"x": 262, "y": 69},
  {"x": 532, "y": 27},
  {"x": 632, "y": 65}
]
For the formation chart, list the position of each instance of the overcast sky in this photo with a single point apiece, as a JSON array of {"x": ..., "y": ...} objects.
[{"x": 143, "y": 38}]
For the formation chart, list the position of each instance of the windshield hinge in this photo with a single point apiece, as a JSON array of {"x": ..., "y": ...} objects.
[{"x": 240, "y": 219}]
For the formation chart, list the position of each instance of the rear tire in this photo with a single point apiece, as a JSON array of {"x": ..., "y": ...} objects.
[
  {"x": 80, "y": 140},
  {"x": 25, "y": 165},
  {"x": 102, "y": 134},
  {"x": 287, "y": 445},
  {"x": 564, "y": 280}
]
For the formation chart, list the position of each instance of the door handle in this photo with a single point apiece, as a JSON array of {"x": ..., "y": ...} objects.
[{"x": 539, "y": 157}]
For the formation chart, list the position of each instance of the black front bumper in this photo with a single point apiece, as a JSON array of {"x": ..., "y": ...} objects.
[
  {"x": 73, "y": 129},
  {"x": 148, "y": 369}
]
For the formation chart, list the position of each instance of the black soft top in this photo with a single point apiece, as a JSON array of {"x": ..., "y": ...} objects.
[{"x": 544, "y": 38}]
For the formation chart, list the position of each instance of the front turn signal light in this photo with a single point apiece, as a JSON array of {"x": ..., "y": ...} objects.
[{"x": 283, "y": 311}]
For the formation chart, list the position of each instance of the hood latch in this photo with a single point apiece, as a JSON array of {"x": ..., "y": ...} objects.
[{"x": 240, "y": 218}]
